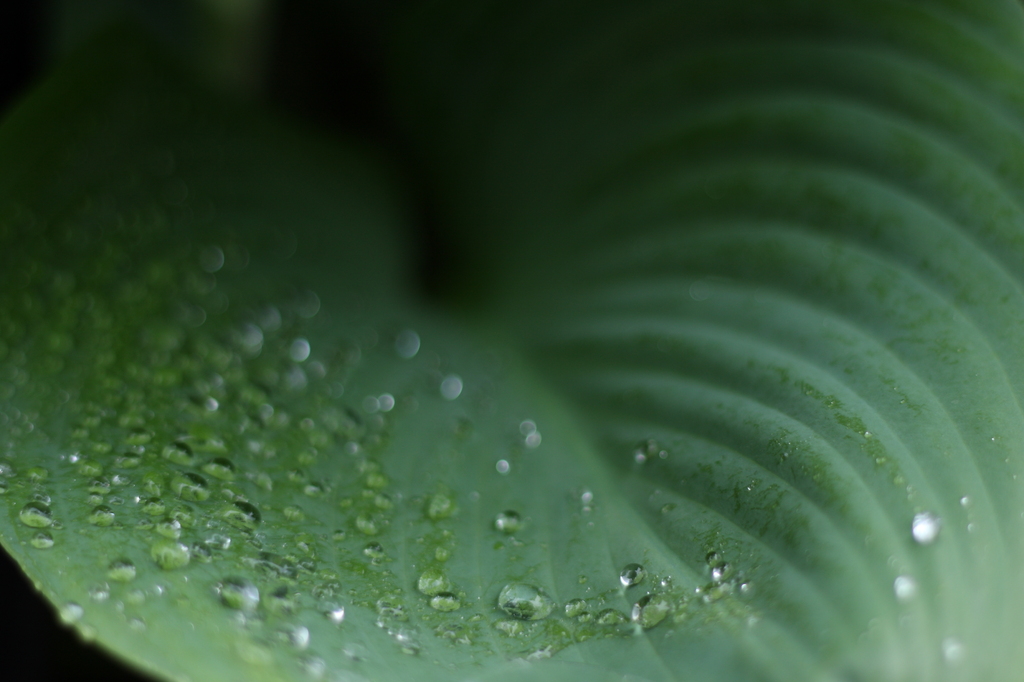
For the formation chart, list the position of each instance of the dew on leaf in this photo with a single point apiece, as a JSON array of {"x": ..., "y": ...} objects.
[
  {"x": 507, "y": 522},
  {"x": 36, "y": 515},
  {"x": 41, "y": 540},
  {"x": 407, "y": 344},
  {"x": 169, "y": 554},
  {"x": 169, "y": 528},
  {"x": 71, "y": 612},
  {"x": 191, "y": 487},
  {"x": 632, "y": 574},
  {"x": 99, "y": 593},
  {"x": 611, "y": 617},
  {"x": 445, "y": 601},
  {"x": 335, "y": 614},
  {"x": 925, "y": 527},
  {"x": 88, "y": 467},
  {"x": 375, "y": 551},
  {"x": 239, "y": 594},
  {"x": 525, "y": 602},
  {"x": 121, "y": 570},
  {"x": 433, "y": 581},
  {"x": 905, "y": 588},
  {"x": 179, "y": 453},
  {"x": 451, "y": 387},
  {"x": 220, "y": 467},
  {"x": 575, "y": 607},
  {"x": 281, "y": 601},
  {"x": 101, "y": 515},
  {"x": 440, "y": 506},
  {"x": 241, "y": 514},
  {"x": 36, "y": 474},
  {"x": 650, "y": 610}
]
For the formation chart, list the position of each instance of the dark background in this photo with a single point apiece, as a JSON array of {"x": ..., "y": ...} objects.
[{"x": 323, "y": 61}]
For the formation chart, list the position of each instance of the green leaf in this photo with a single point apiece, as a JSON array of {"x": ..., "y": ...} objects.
[{"x": 747, "y": 372}]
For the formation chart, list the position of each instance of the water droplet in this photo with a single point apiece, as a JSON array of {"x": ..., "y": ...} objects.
[
  {"x": 169, "y": 528},
  {"x": 241, "y": 514},
  {"x": 335, "y": 614},
  {"x": 440, "y": 506},
  {"x": 299, "y": 350},
  {"x": 611, "y": 617},
  {"x": 502, "y": 466},
  {"x": 953, "y": 650},
  {"x": 295, "y": 635},
  {"x": 965, "y": 501},
  {"x": 191, "y": 487},
  {"x": 211, "y": 259},
  {"x": 179, "y": 453},
  {"x": 121, "y": 570},
  {"x": 293, "y": 514},
  {"x": 36, "y": 474},
  {"x": 451, "y": 387},
  {"x": 925, "y": 527},
  {"x": 905, "y": 588},
  {"x": 88, "y": 467},
  {"x": 101, "y": 516},
  {"x": 651, "y": 610},
  {"x": 407, "y": 344},
  {"x": 367, "y": 524},
  {"x": 575, "y": 607},
  {"x": 433, "y": 581},
  {"x": 239, "y": 594},
  {"x": 220, "y": 467},
  {"x": 445, "y": 601},
  {"x": 36, "y": 515},
  {"x": 99, "y": 592},
  {"x": 524, "y": 602},
  {"x": 507, "y": 522},
  {"x": 281, "y": 601},
  {"x": 169, "y": 554},
  {"x": 99, "y": 486},
  {"x": 632, "y": 574},
  {"x": 128, "y": 461},
  {"x": 153, "y": 506},
  {"x": 71, "y": 613},
  {"x": 42, "y": 540},
  {"x": 375, "y": 551}
]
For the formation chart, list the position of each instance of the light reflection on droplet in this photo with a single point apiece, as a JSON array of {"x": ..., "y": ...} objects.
[
  {"x": 502, "y": 466},
  {"x": 451, "y": 387},
  {"x": 299, "y": 350},
  {"x": 407, "y": 344}
]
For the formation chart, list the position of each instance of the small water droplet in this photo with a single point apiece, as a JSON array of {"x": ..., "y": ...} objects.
[
  {"x": 239, "y": 594},
  {"x": 451, "y": 387},
  {"x": 575, "y": 607},
  {"x": 42, "y": 540},
  {"x": 169, "y": 554},
  {"x": 101, "y": 516},
  {"x": 611, "y": 617},
  {"x": 169, "y": 528},
  {"x": 299, "y": 350},
  {"x": 191, "y": 487},
  {"x": 502, "y": 466},
  {"x": 905, "y": 588},
  {"x": 36, "y": 474},
  {"x": 375, "y": 552},
  {"x": 440, "y": 506},
  {"x": 335, "y": 614},
  {"x": 433, "y": 581},
  {"x": 179, "y": 453},
  {"x": 632, "y": 574},
  {"x": 407, "y": 344},
  {"x": 121, "y": 570},
  {"x": 295, "y": 635},
  {"x": 508, "y": 522},
  {"x": 445, "y": 601},
  {"x": 525, "y": 602},
  {"x": 71, "y": 613},
  {"x": 241, "y": 514},
  {"x": 36, "y": 515},
  {"x": 220, "y": 467},
  {"x": 953, "y": 650},
  {"x": 99, "y": 593},
  {"x": 925, "y": 527},
  {"x": 651, "y": 610}
]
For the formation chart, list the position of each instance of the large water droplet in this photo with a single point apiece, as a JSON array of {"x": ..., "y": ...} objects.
[
  {"x": 191, "y": 487},
  {"x": 102, "y": 516},
  {"x": 169, "y": 554},
  {"x": 445, "y": 601},
  {"x": 407, "y": 344},
  {"x": 241, "y": 514},
  {"x": 525, "y": 602},
  {"x": 239, "y": 594},
  {"x": 36, "y": 515},
  {"x": 925, "y": 527},
  {"x": 42, "y": 540},
  {"x": 632, "y": 574},
  {"x": 220, "y": 467},
  {"x": 508, "y": 522},
  {"x": 451, "y": 387},
  {"x": 433, "y": 581},
  {"x": 440, "y": 506},
  {"x": 651, "y": 610},
  {"x": 575, "y": 607},
  {"x": 179, "y": 453},
  {"x": 121, "y": 570},
  {"x": 905, "y": 588}
]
